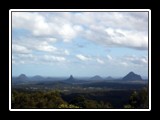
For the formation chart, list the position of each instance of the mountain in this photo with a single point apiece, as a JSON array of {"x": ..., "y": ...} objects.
[
  {"x": 97, "y": 77},
  {"x": 70, "y": 79},
  {"x": 22, "y": 77},
  {"x": 37, "y": 78},
  {"x": 132, "y": 76},
  {"x": 109, "y": 78}
]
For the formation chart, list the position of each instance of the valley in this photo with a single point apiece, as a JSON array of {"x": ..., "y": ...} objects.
[{"x": 93, "y": 93}]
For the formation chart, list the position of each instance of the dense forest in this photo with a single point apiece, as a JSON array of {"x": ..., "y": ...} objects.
[{"x": 54, "y": 99}]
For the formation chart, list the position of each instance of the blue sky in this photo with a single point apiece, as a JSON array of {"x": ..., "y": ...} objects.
[{"x": 79, "y": 43}]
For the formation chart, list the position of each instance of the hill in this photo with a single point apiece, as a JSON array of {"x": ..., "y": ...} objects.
[
  {"x": 97, "y": 77},
  {"x": 37, "y": 78},
  {"x": 70, "y": 79},
  {"x": 132, "y": 76},
  {"x": 20, "y": 79}
]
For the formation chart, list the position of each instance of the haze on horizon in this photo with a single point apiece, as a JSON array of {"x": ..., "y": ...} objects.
[{"x": 79, "y": 43}]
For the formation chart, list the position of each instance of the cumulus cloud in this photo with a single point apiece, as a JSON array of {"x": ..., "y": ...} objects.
[
  {"x": 20, "y": 49},
  {"x": 100, "y": 61},
  {"x": 67, "y": 32},
  {"x": 44, "y": 46},
  {"x": 37, "y": 44},
  {"x": 82, "y": 57},
  {"x": 66, "y": 52},
  {"x": 49, "y": 33},
  {"x": 39, "y": 25},
  {"x": 109, "y": 57},
  {"x": 53, "y": 40},
  {"x": 24, "y": 58},
  {"x": 53, "y": 58},
  {"x": 31, "y": 21},
  {"x": 124, "y": 63},
  {"x": 128, "y": 61},
  {"x": 36, "y": 59},
  {"x": 142, "y": 60},
  {"x": 125, "y": 29}
]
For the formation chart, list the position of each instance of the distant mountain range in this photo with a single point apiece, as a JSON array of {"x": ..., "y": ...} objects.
[{"x": 131, "y": 76}]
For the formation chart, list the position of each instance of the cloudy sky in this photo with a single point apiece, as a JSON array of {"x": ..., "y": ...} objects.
[{"x": 79, "y": 43}]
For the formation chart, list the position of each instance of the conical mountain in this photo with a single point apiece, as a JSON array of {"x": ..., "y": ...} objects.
[
  {"x": 22, "y": 77},
  {"x": 132, "y": 76},
  {"x": 70, "y": 79}
]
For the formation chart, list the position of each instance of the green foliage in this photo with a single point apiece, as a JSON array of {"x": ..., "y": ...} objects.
[
  {"x": 127, "y": 106},
  {"x": 134, "y": 100},
  {"x": 138, "y": 99},
  {"x": 50, "y": 99},
  {"x": 144, "y": 98},
  {"x": 88, "y": 103},
  {"x": 68, "y": 106},
  {"x": 93, "y": 100},
  {"x": 104, "y": 105}
]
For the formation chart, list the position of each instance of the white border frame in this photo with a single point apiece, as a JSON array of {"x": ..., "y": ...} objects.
[{"x": 79, "y": 10}]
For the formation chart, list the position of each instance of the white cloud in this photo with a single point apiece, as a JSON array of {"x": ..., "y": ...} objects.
[
  {"x": 31, "y": 21},
  {"x": 66, "y": 52},
  {"x": 13, "y": 62},
  {"x": 125, "y": 29},
  {"x": 117, "y": 28},
  {"x": 22, "y": 62},
  {"x": 142, "y": 60},
  {"x": 124, "y": 64},
  {"x": 30, "y": 56},
  {"x": 44, "y": 46},
  {"x": 100, "y": 61},
  {"x": 39, "y": 25},
  {"x": 53, "y": 40},
  {"x": 25, "y": 58},
  {"x": 82, "y": 57},
  {"x": 46, "y": 30},
  {"x": 109, "y": 57},
  {"x": 67, "y": 32},
  {"x": 20, "y": 49},
  {"x": 53, "y": 58},
  {"x": 110, "y": 31},
  {"x": 37, "y": 59},
  {"x": 34, "y": 50},
  {"x": 36, "y": 44},
  {"x": 78, "y": 28}
]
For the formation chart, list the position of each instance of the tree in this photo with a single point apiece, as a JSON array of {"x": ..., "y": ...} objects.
[
  {"x": 68, "y": 106},
  {"x": 138, "y": 99},
  {"x": 134, "y": 100},
  {"x": 144, "y": 98},
  {"x": 36, "y": 99}
]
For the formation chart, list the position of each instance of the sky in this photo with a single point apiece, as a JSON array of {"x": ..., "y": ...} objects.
[{"x": 79, "y": 43}]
